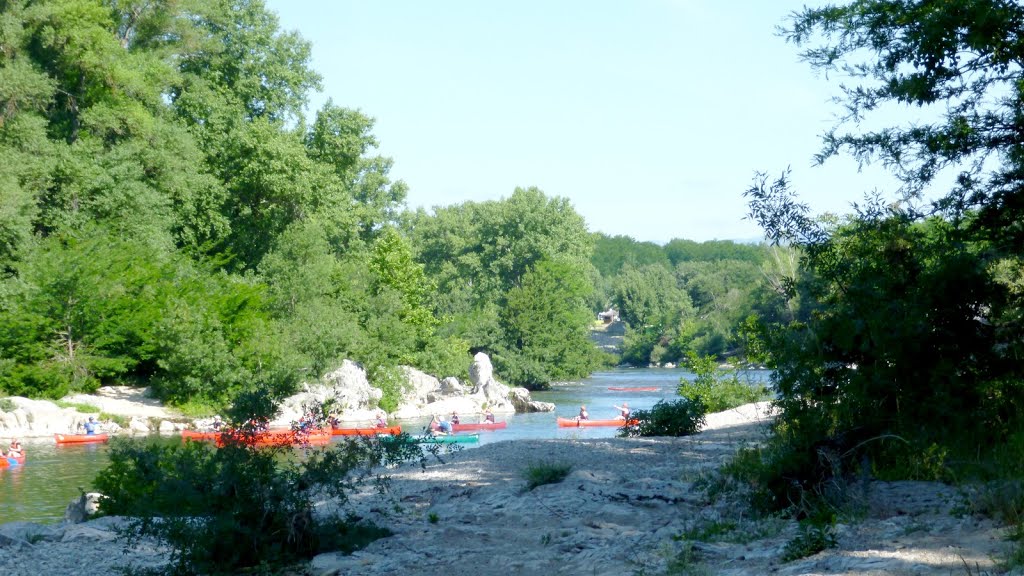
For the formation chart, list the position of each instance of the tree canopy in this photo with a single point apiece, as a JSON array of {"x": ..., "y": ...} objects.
[{"x": 903, "y": 350}]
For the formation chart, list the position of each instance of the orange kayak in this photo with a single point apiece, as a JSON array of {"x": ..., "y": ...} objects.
[
  {"x": 282, "y": 437},
  {"x": 80, "y": 438},
  {"x": 573, "y": 423},
  {"x": 194, "y": 435},
  {"x": 9, "y": 461},
  {"x": 368, "y": 431}
]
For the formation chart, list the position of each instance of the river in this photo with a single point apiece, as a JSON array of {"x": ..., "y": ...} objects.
[{"x": 53, "y": 475}]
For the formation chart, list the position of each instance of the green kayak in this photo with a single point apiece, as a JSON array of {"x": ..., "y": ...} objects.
[{"x": 454, "y": 439}]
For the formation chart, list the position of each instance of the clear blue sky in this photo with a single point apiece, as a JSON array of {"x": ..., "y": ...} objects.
[{"x": 650, "y": 116}]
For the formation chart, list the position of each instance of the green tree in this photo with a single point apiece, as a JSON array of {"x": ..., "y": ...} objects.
[
  {"x": 655, "y": 311},
  {"x": 907, "y": 324},
  {"x": 478, "y": 253},
  {"x": 611, "y": 253},
  {"x": 546, "y": 323}
]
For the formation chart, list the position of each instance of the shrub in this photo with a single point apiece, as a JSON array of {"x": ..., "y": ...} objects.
[
  {"x": 679, "y": 418},
  {"x": 809, "y": 541},
  {"x": 718, "y": 389},
  {"x": 227, "y": 510},
  {"x": 541, "y": 474}
]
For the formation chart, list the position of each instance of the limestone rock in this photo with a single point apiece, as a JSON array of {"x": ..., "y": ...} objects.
[
  {"x": 347, "y": 389},
  {"x": 423, "y": 388},
  {"x": 451, "y": 386},
  {"x": 138, "y": 426},
  {"x": 6, "y": 542},
  {"x": 81, "y": 508},
  {"x": 32, "y": 532},
  {"x": 167, "y": 427},
  {"x": 481, "y": 371},
  {"x": 522, "y": 402}
]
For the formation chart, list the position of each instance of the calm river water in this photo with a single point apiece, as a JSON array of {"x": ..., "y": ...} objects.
[{"x": 53, "y": 475}]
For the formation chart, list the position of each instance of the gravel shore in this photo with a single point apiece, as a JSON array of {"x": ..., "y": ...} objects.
[{"x": 627, "y": 506}]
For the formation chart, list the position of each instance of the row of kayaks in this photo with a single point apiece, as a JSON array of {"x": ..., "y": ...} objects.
[{"x": 323, "y": 436}]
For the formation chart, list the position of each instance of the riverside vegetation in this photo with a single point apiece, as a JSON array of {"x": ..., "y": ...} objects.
[{"x": 171, "y": 218}]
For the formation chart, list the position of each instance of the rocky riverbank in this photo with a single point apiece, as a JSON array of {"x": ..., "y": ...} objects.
[
  {"x": 627, "y": 506},
  {"x": 127, "y": 410}
]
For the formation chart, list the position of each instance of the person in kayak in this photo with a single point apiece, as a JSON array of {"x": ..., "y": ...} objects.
[
  {"x": 584, "y": 415},
  {"x": 380, "y": 421},
  {"x": 623, "y": 411},
  {"x": 15, "y": 450},
  {"x": 488, "y": 415},
  {"x": 440, "y": 426},
  {"x": 455, "y": 417},
  {"x": 90, "y": 426}
]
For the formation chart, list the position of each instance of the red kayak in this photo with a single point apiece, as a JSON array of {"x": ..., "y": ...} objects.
[
  {"x": 10, "y": 461},
  {"x": 80, "y": 438},
  {"x": 464, "y": 426},
  {"x": 368, "y": 431},
  {"x": 281, "y": 437},
  {"x": 635, "y": 389},
  {"x": 574, "y": 423},
  {"x": 194, "y": 435}
]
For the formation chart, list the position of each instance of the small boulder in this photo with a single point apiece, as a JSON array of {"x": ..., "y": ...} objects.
[
  {"x": 81, "y": 508},
  {"x": 138, "y": 425},
  {"x": 522, "y": 402}
]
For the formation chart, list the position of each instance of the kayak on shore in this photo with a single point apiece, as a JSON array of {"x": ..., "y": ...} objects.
[
  {"x": 574, "y": 423},
  {"x": 367, "y": 431},
  {"x": 634, "y": 388},
  {"x": 80, "y": 438},
  {"x": 466, "y": 426}
]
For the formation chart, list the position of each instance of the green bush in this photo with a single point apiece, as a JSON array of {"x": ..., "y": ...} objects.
[
  {"x": 541, "y": 474},
  {"x": 7, "y": 405},
  {"x": 809, "y": 541},
  {"x": 235, "y": 508},
  {"x": 679, "y": 418},
  {"x": 718, "y": 389}
]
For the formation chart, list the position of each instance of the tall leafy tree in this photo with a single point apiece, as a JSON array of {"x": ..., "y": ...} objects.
[
  {"x": 909, "y": 320},
  {"x": 546, "y": 321},
  {"x": 478, "y": 253}
]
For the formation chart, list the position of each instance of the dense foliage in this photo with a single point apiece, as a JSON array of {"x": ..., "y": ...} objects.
[
  {"x": 687, "y": 296},
  {"x": 170, "y": 217},
  {"x": 677, "y": 418},
  {"x": 718, "y": 389},
  {"x": 903, "y": 358},
  {"x": 513, "y": 276}
]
